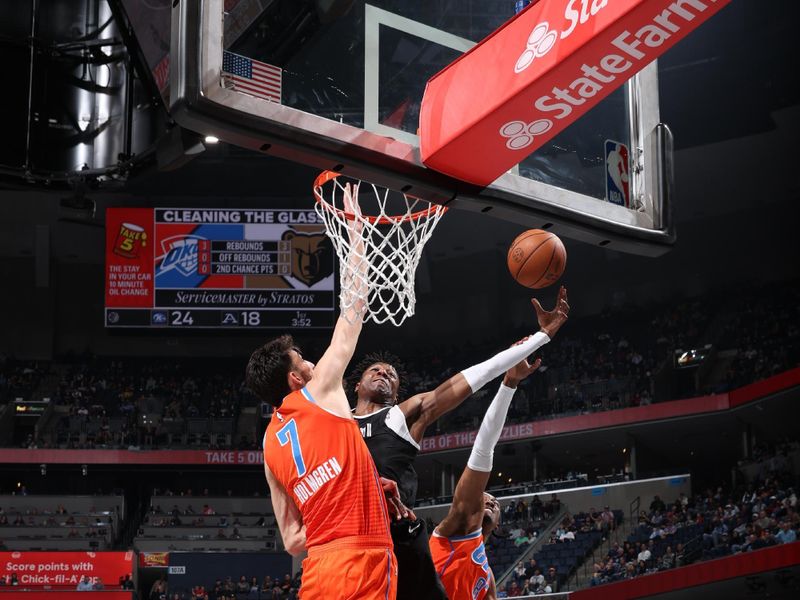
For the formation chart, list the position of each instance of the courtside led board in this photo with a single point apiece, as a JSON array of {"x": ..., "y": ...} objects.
[
  {"x": 538, "y": 74},
  {"x": 212, "y": 268}
]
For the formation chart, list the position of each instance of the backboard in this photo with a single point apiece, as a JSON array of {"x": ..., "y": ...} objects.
[{"x": 337, "y": 84}]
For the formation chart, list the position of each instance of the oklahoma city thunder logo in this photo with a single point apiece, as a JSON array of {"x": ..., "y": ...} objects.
[{"x": 179, "y": 254}]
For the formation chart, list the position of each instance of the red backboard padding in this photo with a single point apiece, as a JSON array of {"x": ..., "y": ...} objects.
[{"x": 539, "y": 73}]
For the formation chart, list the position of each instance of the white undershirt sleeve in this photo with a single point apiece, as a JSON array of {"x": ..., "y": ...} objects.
[
  {"x": 479, "y": 375},
  {"x": 480, "y": 459}
]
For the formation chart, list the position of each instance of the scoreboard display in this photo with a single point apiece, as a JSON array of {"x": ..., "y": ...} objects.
[{"x": 218, "y": 268}]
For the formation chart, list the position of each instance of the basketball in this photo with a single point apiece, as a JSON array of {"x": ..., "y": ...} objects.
[{"x": 536, "y": 258}]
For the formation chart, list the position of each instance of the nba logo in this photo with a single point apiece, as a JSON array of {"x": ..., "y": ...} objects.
[{"x": 618, "y": 170}]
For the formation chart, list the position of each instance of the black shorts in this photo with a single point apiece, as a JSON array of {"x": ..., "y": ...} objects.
[{"x": 416, "y": 575}]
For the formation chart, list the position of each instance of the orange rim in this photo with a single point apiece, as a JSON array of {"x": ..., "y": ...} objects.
[{"x": 327, "y": 176}]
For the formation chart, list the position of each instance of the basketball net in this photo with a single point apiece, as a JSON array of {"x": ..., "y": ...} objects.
[{"x": 378, "y": 252}]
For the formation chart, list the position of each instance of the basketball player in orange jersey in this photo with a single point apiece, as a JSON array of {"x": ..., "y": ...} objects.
[
  {"x": 326, "y": 492},
  {"x": 393, "y": 431},
  {"x": 457, "y": 544}
]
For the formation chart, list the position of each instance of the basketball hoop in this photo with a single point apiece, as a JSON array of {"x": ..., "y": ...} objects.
[{"x": 394, "y": 229}]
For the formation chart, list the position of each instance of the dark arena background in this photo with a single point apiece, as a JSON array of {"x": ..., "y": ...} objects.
[{"x": 146, "y": 251}]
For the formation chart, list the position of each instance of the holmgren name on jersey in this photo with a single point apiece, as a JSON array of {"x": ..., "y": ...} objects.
[{"x": 319, "y": 476}]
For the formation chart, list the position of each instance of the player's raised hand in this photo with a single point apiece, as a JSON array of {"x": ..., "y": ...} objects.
[
  {"x": 551, "y": 321},
  {"x": 520, "y": 371},
  {"x": 351, "y": 206}
]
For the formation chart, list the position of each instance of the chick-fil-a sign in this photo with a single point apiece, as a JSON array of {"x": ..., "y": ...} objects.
[{"x": 55, "y": 569}]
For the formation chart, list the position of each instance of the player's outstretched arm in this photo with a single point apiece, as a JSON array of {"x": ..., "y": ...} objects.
[
  {"x": 326, "y": 385},
  {"x": 423, "y": 409},
  {"x": 466, "y": 512},
  {"x": 290, "y": 521}
]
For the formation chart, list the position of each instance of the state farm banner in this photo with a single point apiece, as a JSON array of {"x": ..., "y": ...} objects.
[
  {"x": 65, "y": 568},
  {"x": 539, "y": 73}
]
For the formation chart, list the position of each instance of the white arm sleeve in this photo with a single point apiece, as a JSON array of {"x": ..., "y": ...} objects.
[
  {"x": 479, "y": 375},
  {"x": 480, "y": 459}
]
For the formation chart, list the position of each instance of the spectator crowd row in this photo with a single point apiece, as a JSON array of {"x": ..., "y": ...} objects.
[{"x": 601, "y": 362}]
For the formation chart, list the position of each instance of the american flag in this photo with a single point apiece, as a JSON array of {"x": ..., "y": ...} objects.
[{"x": 251, "y": 76}]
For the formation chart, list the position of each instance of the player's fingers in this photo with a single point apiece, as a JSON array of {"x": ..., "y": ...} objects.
[{"x": 537, "y": 307}]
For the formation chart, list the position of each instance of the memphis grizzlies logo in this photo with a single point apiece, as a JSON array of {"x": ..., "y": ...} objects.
[
  {"x": 179, "y": 254},
  {"x": 312, "y": 256}
]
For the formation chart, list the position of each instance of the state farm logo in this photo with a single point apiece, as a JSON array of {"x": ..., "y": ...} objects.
[
  {"x": 521, "y": 135},
  {"x": 542, "y": 39},
  {"x": 540, "y": 42}
]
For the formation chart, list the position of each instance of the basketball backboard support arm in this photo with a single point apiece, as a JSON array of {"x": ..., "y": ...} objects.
[{"x": 199, "y": 102}]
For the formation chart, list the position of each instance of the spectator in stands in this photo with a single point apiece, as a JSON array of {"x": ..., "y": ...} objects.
[
  {"x": 763, "y": 521},
  {"x": 667, "y": 560},
  {"x": 608, "y": 520},
  {"x": 242, "y": 587},
  {"x": 286, "y": 584},
  {"x": 553, "y": 506},
  {"x": 198, "y": 592},
  {"x": 536, "y": 582},
  {"x": 519, "y": 573},
  {"x": 266, "y": 585},
  {"x": 658, "y": 505},
  {"x": 644, "y": 554},
  {"x": 786, "y": 535},
  {"x": 158, "y": 591},
  {"x": 551, "y": 580},
  {"x": 126, "y": 583},
  {"x": 531, "y": 569},
  {"x": 595, "y": 521},
  {"x": 221, "y": 534},
  {"x": 84, "y": 585},
  {"x": 535, "y": 509},
  {"x": 680, "y": 555}
]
